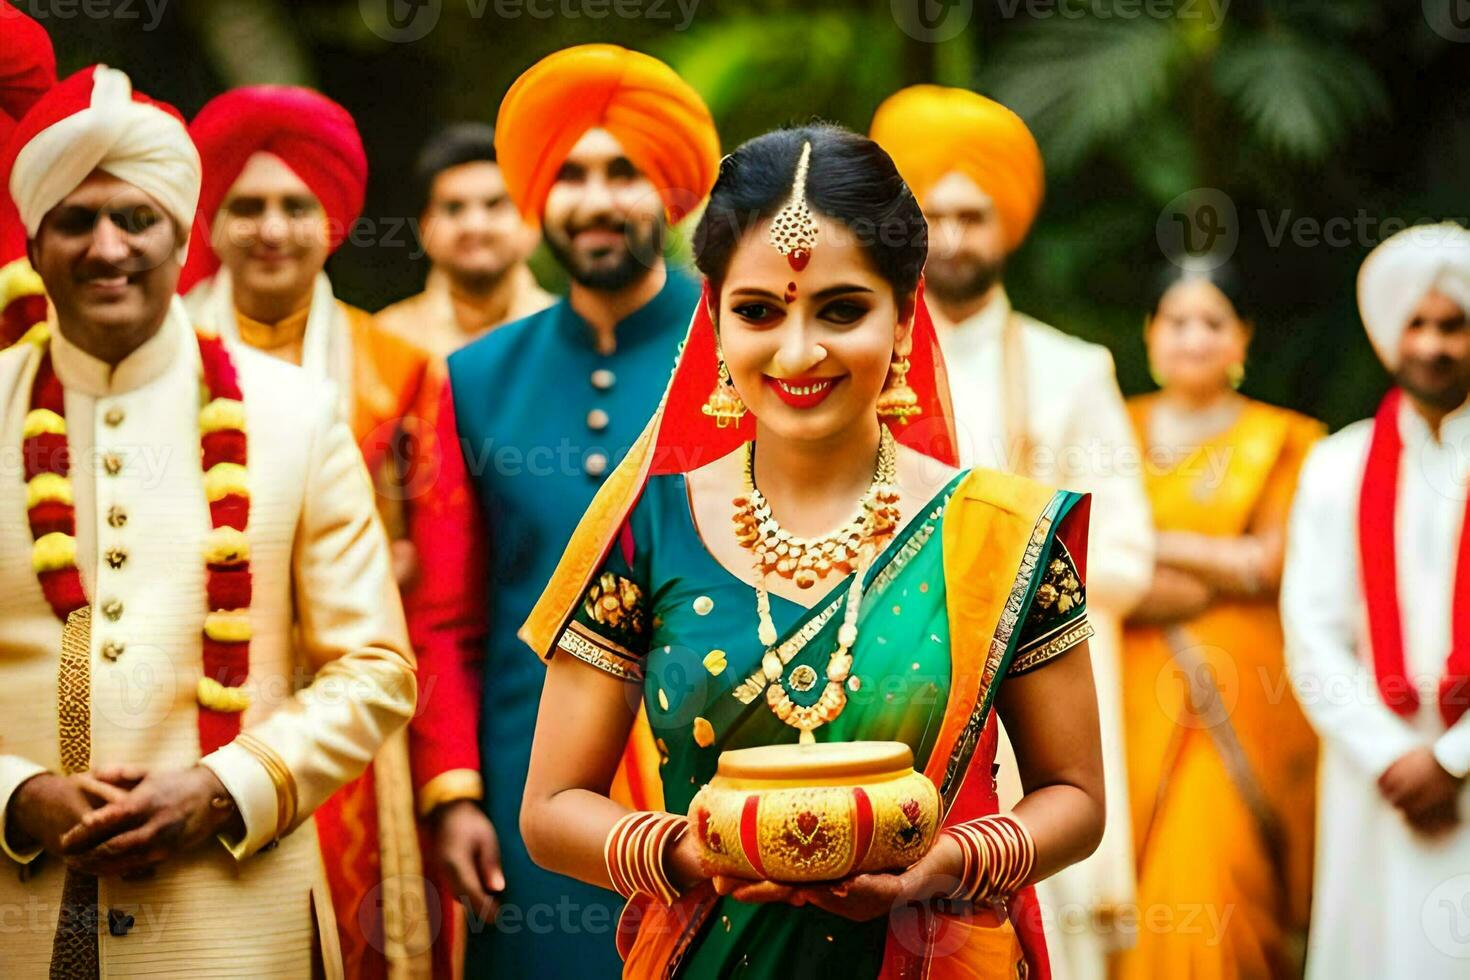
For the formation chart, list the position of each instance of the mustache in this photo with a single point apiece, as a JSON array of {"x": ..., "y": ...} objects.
[
  {"x": 597, "y": 224},
  {"x": 107, "y": 270}
]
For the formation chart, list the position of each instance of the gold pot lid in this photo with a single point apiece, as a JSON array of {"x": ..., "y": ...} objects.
[{"x": 822, "y": 761}]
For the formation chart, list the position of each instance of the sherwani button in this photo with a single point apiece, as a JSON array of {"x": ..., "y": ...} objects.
[
  {"x": 116, "y": 516},
  {"x": 112, "y": 463},
  {"x": 595, "y": 464},
  {"x": 603, "y": 379},
  {"x": 113, "y": 417},
  {"x": 111, "y": 650},
  {"x": 116, "y": 557},
  {"x": 597, "y": 420},
  {"x": 112, "y": 609}
]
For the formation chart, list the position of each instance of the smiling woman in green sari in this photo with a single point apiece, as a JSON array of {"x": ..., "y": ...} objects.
[{"x": 725, "y": 583}]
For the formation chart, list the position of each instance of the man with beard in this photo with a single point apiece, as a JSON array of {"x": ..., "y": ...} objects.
[
  {"x": 604, "y": 148},
  {"x": 284, "y": 177},
  {"x": 1031, "y": 399},
  {"x": 476, "y": 242},
  {"x": 1375, "y": 600}
]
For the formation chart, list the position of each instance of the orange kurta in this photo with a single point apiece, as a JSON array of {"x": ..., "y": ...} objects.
[
  {"x": 1221, "y": 893},
  {"x": 369, "y": 837}
]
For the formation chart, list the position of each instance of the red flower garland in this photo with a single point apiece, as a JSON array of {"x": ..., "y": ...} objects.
[{"x": 52, "y": 518}]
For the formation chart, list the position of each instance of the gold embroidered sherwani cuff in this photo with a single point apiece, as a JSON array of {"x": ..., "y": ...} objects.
[
  {"x": 450, "y": 786},
  {"x": 15, "y": 770},
  {"x": 257, "y": 793}
]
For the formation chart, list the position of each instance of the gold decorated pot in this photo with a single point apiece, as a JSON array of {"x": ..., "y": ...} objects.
[{"x": 797, "y": 813}]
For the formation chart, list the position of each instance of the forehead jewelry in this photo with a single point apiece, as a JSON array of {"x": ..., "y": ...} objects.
[{"x": 794, "y": 231}]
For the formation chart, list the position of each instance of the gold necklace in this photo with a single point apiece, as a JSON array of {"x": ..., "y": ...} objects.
[
  {"x": 805, "y": 560},
  {"x": 850, "y": 549}
]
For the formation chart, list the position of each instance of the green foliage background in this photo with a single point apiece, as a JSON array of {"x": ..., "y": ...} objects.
[{"x": 1299, "y": 112}]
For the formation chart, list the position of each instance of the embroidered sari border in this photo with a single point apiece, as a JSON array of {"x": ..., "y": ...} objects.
[
  {"x": 1071, "y": 635},
  {"x": 1002, "y": 643},
  {"x": 599, "y": 652}
]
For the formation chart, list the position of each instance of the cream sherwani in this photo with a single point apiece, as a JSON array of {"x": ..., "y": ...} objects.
[
  {"x": 1387, "y": 901},
  {"x": 1047, "y": 404},
  {"x": 331, "y": 672}
]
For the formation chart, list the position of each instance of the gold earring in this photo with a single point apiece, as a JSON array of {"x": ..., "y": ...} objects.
[
  {"x": 724, "y": 405},
  {"x": 898, "y": 400},
  {"x": 1236, "y": 374}
]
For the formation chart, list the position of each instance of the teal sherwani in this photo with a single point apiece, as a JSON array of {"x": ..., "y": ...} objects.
[{"x": 543, "y": 417}]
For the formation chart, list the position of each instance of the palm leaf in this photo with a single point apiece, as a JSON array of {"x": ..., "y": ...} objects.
[
  {"x": 1082, "y": 83},
  {"x": 1300, "y": 98}
]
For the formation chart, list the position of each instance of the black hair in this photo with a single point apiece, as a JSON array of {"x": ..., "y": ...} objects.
[
  {"x": 1223, "y": 276},
  {"x": 465, "y": 142},
  {"x": 849, "y": 178}
]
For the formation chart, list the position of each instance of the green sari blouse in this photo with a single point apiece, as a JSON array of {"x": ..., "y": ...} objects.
[{"x": 663, "y": 612}]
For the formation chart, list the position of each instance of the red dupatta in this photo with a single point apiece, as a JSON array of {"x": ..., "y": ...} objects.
[{"x": 1377, "y": 549}]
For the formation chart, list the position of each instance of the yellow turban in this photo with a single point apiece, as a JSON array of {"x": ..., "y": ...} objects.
[
  {"x": 660, "y": 121},
  {"x": 931, "y": 131}
]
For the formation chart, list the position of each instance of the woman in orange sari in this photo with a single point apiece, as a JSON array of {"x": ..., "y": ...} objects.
[
  {"x": 942, "y": 595},
  {"x": 1221, "y": 762}
]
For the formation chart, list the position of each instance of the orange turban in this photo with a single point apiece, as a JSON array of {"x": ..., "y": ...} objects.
[
  {"x": 662, "y": 124},
  {"x": 931, "y": 131}
]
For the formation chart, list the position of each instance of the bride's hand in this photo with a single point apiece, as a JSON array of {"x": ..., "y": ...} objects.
[
  {"x": 758, "y": 892},
  {"x": 861, "y": 897},
  {"x": 684, "y": 865},
  {"x": 864, "y": 897}
]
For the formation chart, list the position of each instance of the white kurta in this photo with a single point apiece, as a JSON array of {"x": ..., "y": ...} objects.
[
  {"x": 1387, "y": 901},
  {"x": 331, "y": 672},
  {"x": 1081, "y": 439}
]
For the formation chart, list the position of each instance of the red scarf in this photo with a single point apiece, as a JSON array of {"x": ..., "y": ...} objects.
[{"x": 1377, "y": 550}]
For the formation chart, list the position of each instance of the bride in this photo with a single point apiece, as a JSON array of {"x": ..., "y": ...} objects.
[{"x": 788, "y": 554}]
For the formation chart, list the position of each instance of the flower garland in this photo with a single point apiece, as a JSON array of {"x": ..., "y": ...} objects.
[
  {"x": 22, "y": 301},
  {"x": 52, "y": 517}
]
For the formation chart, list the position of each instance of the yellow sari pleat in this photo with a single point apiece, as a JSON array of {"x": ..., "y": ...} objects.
[{"x": 1213, "y": 903}]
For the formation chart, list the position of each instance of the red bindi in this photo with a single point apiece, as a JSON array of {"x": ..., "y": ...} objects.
[
  {"x": 798, "y": 258},
  {"x": 790, "y": 292}
]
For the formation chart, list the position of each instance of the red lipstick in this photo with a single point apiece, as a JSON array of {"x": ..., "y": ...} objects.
[{"x": 803, "y": 392}]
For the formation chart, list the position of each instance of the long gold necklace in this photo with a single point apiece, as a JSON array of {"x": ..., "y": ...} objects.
[{"x": 850, "y": 549}]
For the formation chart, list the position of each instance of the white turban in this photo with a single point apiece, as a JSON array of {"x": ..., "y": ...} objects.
[
  {"x": 1401, "y": 271},
  {"x": 107, "y": 129}
]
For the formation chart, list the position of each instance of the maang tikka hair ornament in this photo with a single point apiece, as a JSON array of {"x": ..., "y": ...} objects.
[{"x": 794, "y": 232}]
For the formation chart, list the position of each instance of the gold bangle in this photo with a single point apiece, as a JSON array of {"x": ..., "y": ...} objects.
[
  {"x": 614, "y": 854},
  {"x": 634, "y": 854},
  {"x": 999, "y": 856}
]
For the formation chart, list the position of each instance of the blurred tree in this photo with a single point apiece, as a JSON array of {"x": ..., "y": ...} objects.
[{"x": 1301, "y": 115}]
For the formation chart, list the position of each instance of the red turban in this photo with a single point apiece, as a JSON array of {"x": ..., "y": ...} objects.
[
  {"x": 27, "y": 72},
  {"x": 660, "y": 121},
  {"x": 315, "y": 137},
  {"x": 931, "y": 131}
]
